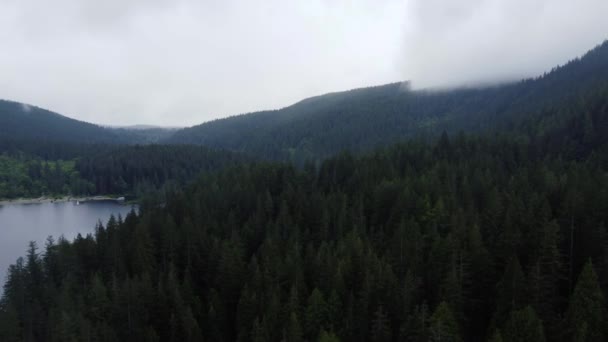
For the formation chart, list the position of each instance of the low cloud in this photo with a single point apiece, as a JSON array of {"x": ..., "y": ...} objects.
[
  {"x": 26, "y": 108},
  {"x": 450, "y": 43},
  {"x": 184, "y": 62}
]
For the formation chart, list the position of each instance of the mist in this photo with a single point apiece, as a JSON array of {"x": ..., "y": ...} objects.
[
  {"x": 177, "y": 63},
  {"x": 470, "y": 42}
]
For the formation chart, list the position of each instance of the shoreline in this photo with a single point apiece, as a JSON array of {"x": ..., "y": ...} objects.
[{"x": 63, "y": 199}]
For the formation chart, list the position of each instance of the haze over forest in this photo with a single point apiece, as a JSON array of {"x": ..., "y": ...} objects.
[
  {"x": 386, "y": 171},
  {"x": 180, "y": 63}
]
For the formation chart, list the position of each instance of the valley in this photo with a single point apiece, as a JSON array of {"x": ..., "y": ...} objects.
[{"x": 375, "y": 214}]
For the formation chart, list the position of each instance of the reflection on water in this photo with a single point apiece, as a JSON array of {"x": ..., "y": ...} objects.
[{"x": 22, "y": 223}]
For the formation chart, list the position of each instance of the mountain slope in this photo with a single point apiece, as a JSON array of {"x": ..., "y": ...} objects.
[
  {"x": 23, "y": 125},
  {"x": 362, "y": 119},
  {"x": 24, "y": 122}
]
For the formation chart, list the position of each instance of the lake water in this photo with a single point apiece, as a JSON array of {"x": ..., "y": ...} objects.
[{"x": 22, "y": 223}]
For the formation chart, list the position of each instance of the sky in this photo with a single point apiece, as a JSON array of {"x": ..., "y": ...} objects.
[{"x": 184, "y": 62}]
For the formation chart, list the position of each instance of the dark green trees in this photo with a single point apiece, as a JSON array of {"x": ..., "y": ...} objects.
[
  {"x": 523, "y": 326},
  {"x": 443, "y": 325},
  {"x": 586, "y": 316},
  {"x": 467, "y": 240}
]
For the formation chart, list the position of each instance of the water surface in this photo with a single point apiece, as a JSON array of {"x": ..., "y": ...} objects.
[{"x": 22, "y": 223}]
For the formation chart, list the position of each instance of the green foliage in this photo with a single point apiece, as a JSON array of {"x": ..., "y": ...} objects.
[
  {"x": 136, "y": 171},
  {"x": 586, "y": 313},
  {"x": 360, "y": 246},
  {"x": 496, "y": 337},
  {"x": 524, "y": 326},
  {"x": 23, "y": 176},
  {"x": 328, "y": 337},
  {"x": 443, "y": 325},
  {"x": 316, "y": 313},
  {"x": 139, "y": 170},
  {"x": 462, "y": 239},
  {"x": 362, "y": 119}
]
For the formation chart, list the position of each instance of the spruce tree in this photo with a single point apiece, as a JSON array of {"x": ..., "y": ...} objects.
[{"x": 586, "y": 313}]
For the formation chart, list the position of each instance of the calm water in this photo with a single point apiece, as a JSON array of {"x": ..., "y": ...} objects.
[{"x": 22, "y": 223}]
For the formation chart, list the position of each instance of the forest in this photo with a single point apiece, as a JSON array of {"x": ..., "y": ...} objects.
[
  {"x": 467, "y": 215},
  {"x": 31, "y": 177},
  {"x": 361, "y": 120},
  {"x": 135, "y": 171},
  {"x": 466, "y": 239}
]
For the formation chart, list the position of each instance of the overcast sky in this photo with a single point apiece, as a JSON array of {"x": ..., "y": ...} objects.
[{"x": 183, "y": 62}]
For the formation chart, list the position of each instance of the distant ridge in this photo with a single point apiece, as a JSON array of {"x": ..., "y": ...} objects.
[
  {"x": 362, "y": 119},
  {"x": 356, "y": 120},
  {"x": 20, "y": 121}
]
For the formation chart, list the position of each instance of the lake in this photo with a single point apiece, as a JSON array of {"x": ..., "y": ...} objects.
[{"x": 22, "y": 223}]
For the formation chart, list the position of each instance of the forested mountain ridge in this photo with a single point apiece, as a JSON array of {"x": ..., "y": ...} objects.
[
  {"x": 142, "y": 134},
  {"x": 356, "y": 120},
  {"x": 22, "y": 122},
  {"x": 362, "y": 119},
  {"x": 495, "y": 234}
]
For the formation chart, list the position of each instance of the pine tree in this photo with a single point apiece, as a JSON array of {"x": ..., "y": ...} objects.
[
  {"x": 524, "y": 326},
  {"x": 511, "y": 291},
  {"x": 246, "y": 313},
  {"x": 98, "y": 301},
  {"x": 325, "y": 336},
  {"x": 443, "y": 325},
  {"x": 496, "y": 337},
  {"x": 142, "y": 261},
  {"x": 381, "y": 329},
  {"x": 545, "y": 276},
  {"x": 316, "y": 313},
  {"x": 586, "y": 314},
  {"x": 10, "y": 328},
  {"x": 294, "y": 329}
]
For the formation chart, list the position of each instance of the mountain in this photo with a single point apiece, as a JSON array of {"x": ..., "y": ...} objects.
[
  {"x": 144, "y": 134},
  {"x": 464, "y": 239},
  {"x": 23, "y": 122},
  {"x": 361, "y": 119},
  {"x": 469, "y": 237},
  {"x": 357, "y": 120},
  {"x": 26, "y": 128}
]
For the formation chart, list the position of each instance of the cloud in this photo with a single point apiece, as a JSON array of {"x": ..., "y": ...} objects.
[
  {"x": 26, "y": 108},
  {"x": 184, "y": 62},
  {"x": 449, "y": 43}
]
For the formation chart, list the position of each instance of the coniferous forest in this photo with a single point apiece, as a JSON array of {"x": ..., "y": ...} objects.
[
  {"x": 495, "y": 235},
  {"x": 468, "y": 239}
]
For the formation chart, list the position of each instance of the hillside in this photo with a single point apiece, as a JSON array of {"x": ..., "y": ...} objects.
[
  {"x": 23, "y": 122},
  {"x": 466, "y": 238},
  {"x": 143, "y": 134},
  {"x": 362, "y": 119},
  {"x": 497, "y": 234},
  {"x": 26, "y": 127}
]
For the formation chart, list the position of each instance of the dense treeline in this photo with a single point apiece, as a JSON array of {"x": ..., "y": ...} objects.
[
  {"x": 316, "y": 128},
  {"x": 23, "y": 176},
  {"x": 105, "y": 169},
  {"x": 362, "y": 119},
  {"x": 489, "y": 238},
  {"x": 469, "y": 239},
  {"x": 140, "y": 169}
]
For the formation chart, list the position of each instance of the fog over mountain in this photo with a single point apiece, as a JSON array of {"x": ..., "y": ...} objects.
[
  {"x": 451, "y": 43},
  {"x": 178, "y": 63}
]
